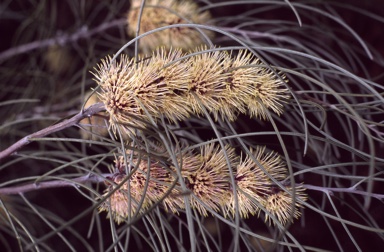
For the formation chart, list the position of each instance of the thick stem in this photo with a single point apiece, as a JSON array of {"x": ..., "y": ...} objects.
[
  {"x": 332, "y": 190},
  {"x": 95, "y": 108},
  {"x": 61, "y": 39},
  {"x": 90, "y": 178}
]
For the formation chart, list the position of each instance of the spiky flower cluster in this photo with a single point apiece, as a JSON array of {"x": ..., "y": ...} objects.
[
  {"x": 160, "y": 13},
  {"x": 255, "y": 188},
  {"x": 207, "y": 177},
  {"x": 149, "y": 182},
  {"x": 136, "y": 92}
]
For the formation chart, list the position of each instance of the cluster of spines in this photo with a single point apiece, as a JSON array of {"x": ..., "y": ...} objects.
[
  {"x": 149, "y": 182},
  {"x": 176, "y": 87},
  {"x": 207, "y": 177},
  {"x": 160, "y": 13}
]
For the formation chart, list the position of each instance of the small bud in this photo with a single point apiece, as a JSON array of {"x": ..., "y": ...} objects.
[{"x": 158, "y": 14}]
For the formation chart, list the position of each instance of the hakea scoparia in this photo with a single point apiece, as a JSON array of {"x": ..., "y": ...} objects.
[
  {"x": 160, "y": 13},
  {"x": 255, "y": 188},
  {"x": 167, "y": 85},
  {"x": 149, "y": 182},
  {"x": 207, "y": 178}
]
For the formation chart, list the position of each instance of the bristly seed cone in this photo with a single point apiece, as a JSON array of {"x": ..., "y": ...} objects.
[
  {"x": 160, "y": 13},
  {"x": 207, "y": 177},
  {"x": 146, "y": 186},
  {"x": 255, "y": 189},
  {"x": 138, "y": 92}
]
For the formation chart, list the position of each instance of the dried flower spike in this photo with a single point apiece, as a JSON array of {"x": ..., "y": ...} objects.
[
  {"x": 280, "y": 204},
  {"x": 134, "y": 91},
  {"x": 207, "y": 87},
  {"x": 163, "y": 85},
  {"x": 207, "y": 176},
  {"x": 117, "y": 204},
  {"x": 160, "y": 13},
  {"x": 255, "y": 189},
  {"x": 256, "y": 86},
  {"x": 148, "y": 185}
]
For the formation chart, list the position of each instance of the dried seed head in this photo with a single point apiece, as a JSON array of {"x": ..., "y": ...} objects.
[
  {"x": 119, "y": 204},
  {"x": 256, "y": 86},
  {"x": 256, "y": 189},
  {"x": 136, "y": 93},
  {"x": 207, "y": 87},
  {"x": 281, "y": 206},
  {"x": 207, "y": 176},
  {"x": 116, "y": 94},
  {"x": 133, "y": 92},
  {"x": 249, "y": 182},
  {"x": 159, "y": 182},
  {"x": 268, "y": 92},
  {"x": 148, "y": 185},
  {"x": 160, "y": 13},
  {"x": 271, "y": 161}
]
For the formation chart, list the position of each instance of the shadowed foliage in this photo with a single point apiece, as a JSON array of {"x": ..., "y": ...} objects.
[{"x": 191, "y": 125}]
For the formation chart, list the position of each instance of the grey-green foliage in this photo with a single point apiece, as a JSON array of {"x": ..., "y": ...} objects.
[{"x": 330, "y": 135}]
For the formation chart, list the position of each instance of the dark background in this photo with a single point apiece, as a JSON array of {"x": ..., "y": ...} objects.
[{"x": 31, "y": 75}]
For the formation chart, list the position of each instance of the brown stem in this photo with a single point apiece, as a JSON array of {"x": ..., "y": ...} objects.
[
  {"x": 331, "y": 190},
  {"x": 95, "y": 108},
  {"x": 52, "y": 184},
  {"x": 61, "y": 40}
]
